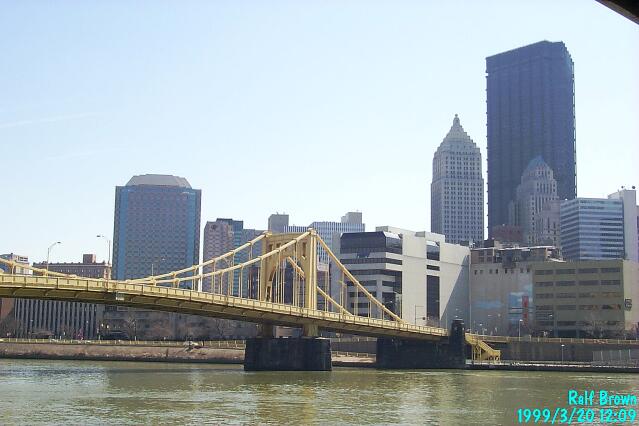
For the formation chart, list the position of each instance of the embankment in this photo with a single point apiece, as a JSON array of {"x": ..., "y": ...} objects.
[{"x": 122, "y": 352}]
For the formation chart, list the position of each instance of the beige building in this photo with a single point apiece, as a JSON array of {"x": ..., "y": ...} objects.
[
  {"x": 8, "y": 325},
  {"x": 501, "y": 290},
  {"x": 594, "y": 298},
  {"x": 78, "y": 320}
]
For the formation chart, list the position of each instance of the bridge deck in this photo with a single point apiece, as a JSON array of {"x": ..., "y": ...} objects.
[{"x": 185, "y": 301}]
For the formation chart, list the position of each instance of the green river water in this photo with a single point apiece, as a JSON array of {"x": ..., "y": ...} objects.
[{"x": 85, "y": 392}]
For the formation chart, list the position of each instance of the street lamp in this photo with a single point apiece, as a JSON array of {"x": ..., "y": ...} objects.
[
  {"x": 415, "y": 317},
  {"x": 562, "y": 352},
  {"x": 158, "y": 261},
  {"x": 49, "y": 253},
  {"x": 519, "y": 329},
  {"x": 108, "y": 247}
]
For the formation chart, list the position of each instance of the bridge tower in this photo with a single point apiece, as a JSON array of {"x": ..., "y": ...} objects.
[{"x": 309, "y": 352}]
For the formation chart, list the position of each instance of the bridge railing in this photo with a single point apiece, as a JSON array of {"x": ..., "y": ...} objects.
[{"x": 506, "y": 339}]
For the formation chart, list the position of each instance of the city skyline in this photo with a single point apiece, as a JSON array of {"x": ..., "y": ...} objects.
[{"x": 79, "y": 140}]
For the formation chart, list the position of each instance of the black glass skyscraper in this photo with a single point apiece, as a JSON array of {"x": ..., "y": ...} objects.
[{"x": 531, "y": 112}]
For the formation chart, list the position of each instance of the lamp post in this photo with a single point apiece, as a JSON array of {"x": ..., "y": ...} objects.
[
  {"x": 108, "y": 247},
  {"x": 562, "y": 352},
  {"x": 415, "y": 316},
  {"x": 156, "y": 261},
  {"x": 49, "y": 253},
  {"x": 519, "y": 328}
]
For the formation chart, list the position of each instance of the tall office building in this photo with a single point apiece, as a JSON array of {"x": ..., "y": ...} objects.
[
  {"x": 592, "y": 228},
  {"x": 278, "y": 222},
  {"x": 457, "y": 189},
  {"x": 157, "y": 226},
  {"x": 350, "y": 222},
  {"x": 156, "y": 230},
  {"x": 630, "y": 221},
  {"x": 600, "y": 228},
  {"x": 224, "y": 235},
  {"x": 531, "y": 112},
  {"x": 535, "y": 208}
]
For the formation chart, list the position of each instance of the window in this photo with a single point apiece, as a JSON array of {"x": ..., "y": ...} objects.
[
  {"x": 588, "y": 270},
  {"x": 432, "y": 296},
  {"x": 436, "y": 268},
  {"x": 610, "y": 270},
  {"x": 566, "y": 295},
  {"x": 565, "y": 283},
  {"x": 588, "y": 282},
  {"x": 588, "y": 307},
  {"x": 432, "y": 250},
  {"x": 566, "y": 307}
]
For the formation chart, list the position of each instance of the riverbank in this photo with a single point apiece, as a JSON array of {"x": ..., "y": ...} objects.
[{"x": 212, "y": 352}]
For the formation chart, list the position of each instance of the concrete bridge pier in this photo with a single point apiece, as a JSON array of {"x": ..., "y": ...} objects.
[
  {"x": 267, "y": 353},
  {"x": 417, "y": 354}
]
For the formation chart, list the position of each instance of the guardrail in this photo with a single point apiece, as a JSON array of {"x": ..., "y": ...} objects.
[
  {"x": 353, "y": 354},
  {"x": 506, "y": 339},
  {"x": 218, "y": 344}
]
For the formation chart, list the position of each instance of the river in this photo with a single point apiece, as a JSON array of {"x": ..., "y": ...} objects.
[{"x": 84, "y": 392}]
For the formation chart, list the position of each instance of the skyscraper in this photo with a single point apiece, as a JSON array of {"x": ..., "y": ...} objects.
[
  {"x": 457, "y": 189},
  {"x": 535, "y": 208},
  {"x": 592, "y": 229},
  {"x": 224, "y": 235},
  {"x": 350, "y": 222},
  {"x": 531, "y": 112},
  {"x": 277, "y": 222},
  {"x": 157, "y": 226},
  {"x": 156, "y": 230}
]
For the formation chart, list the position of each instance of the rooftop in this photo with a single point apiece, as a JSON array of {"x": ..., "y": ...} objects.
[{"x": 159, "y": 180}]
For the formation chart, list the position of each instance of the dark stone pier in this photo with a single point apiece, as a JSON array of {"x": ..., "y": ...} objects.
[
  {"x": 287, "y": 354},
  {"x": 426, "y": 354}
]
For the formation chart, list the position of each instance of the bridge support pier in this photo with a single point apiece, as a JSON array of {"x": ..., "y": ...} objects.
[
  {"x": 288, "y": 354},
  {"x": 415, "y": 354}
]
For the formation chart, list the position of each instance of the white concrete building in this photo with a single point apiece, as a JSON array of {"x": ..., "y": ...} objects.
[
  {"x": 417, "y": 275},
  {"x": 630, "y": 221},
  {"x": 457, "y": 188}
]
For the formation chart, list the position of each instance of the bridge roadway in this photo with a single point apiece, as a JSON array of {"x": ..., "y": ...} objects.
[{"x": 184, "y": 301}]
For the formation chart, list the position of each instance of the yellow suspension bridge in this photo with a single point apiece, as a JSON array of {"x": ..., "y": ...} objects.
[{"x": 284, "y": 285}]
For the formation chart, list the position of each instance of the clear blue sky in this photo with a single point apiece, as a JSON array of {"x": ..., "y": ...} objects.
[{"x": 312, "y": 108}]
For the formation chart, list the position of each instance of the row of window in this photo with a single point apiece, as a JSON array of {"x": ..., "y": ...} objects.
[
  {"x": 496, "y": 271},
  {"x": 581, "y": 282},
  {"x": 581, "y": 295},
  {"x": 579, "y": 271}
]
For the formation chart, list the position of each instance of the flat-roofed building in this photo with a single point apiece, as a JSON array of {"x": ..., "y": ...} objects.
[
  {"x": 501, "y": 290},
  {"x": 593, "y": 298},
  {"x": 417, "y": 275},
  {"x": 76, "y": 320},
  {"x": 7, "y": 304}
]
